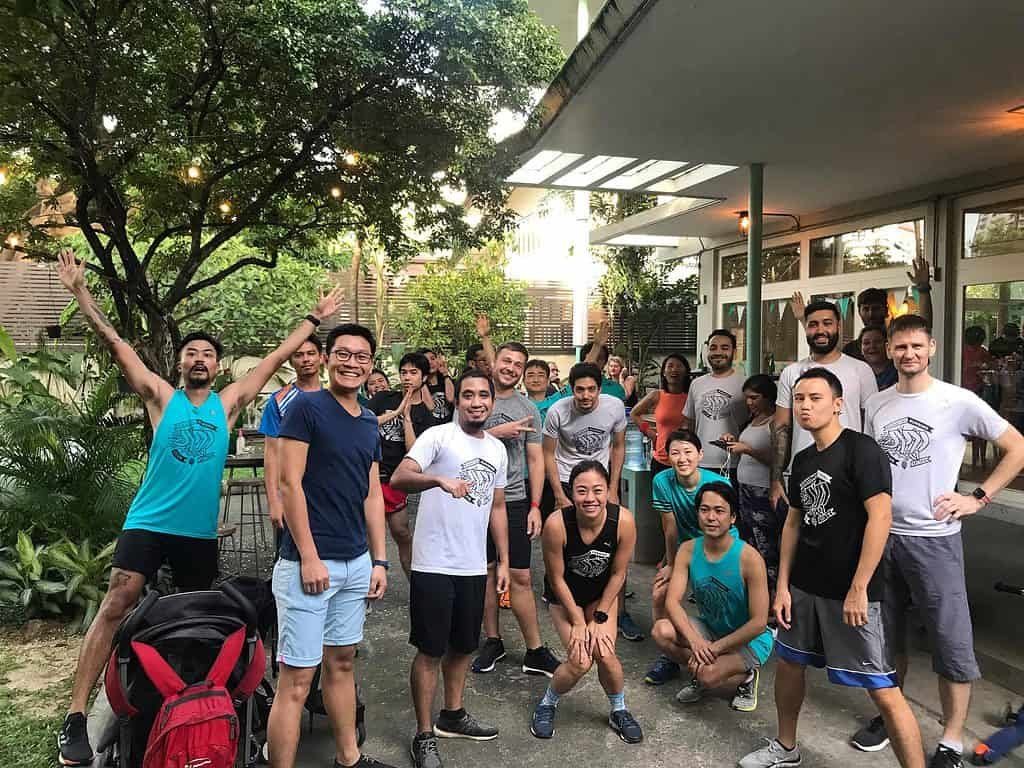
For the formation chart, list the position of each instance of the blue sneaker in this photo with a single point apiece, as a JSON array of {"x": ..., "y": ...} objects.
[
  {"x": 543, "y": 724},
  {"x": 664, "y": 669},
  {"x": 624, "y": 724},
  {"x": 629, "y": 628}
]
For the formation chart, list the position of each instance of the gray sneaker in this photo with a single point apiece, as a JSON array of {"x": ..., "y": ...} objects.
[
  {"x": 745, "y": 699},
  {"x": 423, "y": 751},
  {"x": 773, "y": 755},
  {"x": 690, "y": 693}
]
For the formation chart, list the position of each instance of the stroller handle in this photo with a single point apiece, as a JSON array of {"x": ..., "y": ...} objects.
[
  {"x": 1012, "y": 589},
  {"x": 242, "y": 602}
]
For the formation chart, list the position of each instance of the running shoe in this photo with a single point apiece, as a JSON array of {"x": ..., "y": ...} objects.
[
  {"x": 624, "y": 724},
  {"x": 463, "y": 727},
  {"x": 745, "y": 699},
  {"x": 492, "y": 652},
  {"x": 664, "y": 669},
  {"x": 73, "y": 741},
  {"x": 945, "y": 757},
  {"x": 629, "y": 629},
  {"x": 872, "y": 737},
  {"x": 540, "y": 661},
  {"x": 504, "y": 601},
  {"x": 690, "y": 693},
  {"x": 543, "y": 723},
  {"x": 774, "y": 755},
  {"x": 370, "y": 762},
  {"x": 423, "y": 751}
]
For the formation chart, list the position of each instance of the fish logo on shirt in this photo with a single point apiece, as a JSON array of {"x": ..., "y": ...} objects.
[
  {"x": 906, "y": 442},
  {"x": 393, "y": 431},
  {"x": 440, "y": 410},
  {"x": 715, "y": 404},
  {"x": 479, "y": 475},
  {"x": 192, "y": 440},
  {"x": 713, "y": 597},
  {"x": 589, "y": 440},
  {"x": 816, "y": 498},
  {"x": 590, "y": 564}
]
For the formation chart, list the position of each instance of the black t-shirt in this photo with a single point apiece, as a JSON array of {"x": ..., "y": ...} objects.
[
  {"x": 392, "y": 433},
  {"x": 852, "y": 349},
  {"x": 442, "y": 409},
  {"x": 829, "y": 487}
]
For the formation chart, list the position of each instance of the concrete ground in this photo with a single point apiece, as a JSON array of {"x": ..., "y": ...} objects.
[{"x": 708, "y": 733}]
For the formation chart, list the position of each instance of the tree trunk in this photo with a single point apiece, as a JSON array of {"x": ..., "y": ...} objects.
[{"x": 380, "y": 310}]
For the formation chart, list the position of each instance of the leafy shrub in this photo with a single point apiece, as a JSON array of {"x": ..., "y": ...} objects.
[{"x": 23, "y": 582}]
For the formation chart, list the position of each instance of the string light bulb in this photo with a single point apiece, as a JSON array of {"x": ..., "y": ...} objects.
[
  {"x": 193, "y": 171},
  {"x": 225, "y": 207},
  {"x": 13, "y": 241},
  {"x": 3, "y": 176},
  {"x": 335, "y": 192},
  {"x": 351, "y": 158}
]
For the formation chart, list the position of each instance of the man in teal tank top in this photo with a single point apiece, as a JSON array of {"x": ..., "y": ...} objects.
[
  {"x": 727, "y": 644},
  {"x": 174, "y": 514}
]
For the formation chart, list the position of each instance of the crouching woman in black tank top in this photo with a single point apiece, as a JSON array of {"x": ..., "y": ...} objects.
[{"x": 587, "y": 548}]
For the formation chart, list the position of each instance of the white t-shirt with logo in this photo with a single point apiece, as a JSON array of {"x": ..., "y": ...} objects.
[
  {"x": 579, "y": 436},
  {"x": 451, "y": 534},
  {"x": 858, "y": 382},
  {"x": 924, "y": 436},
  {"x": 713, "y": 407}
]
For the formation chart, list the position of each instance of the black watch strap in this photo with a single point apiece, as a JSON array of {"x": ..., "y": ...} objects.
[
  {"x": 600, "y": 617},
  {"x": 313, "y": 319},
  {"x": 382, "y": 563}
]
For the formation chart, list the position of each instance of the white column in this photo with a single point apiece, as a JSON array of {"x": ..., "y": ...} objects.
[{"x": 581, "y": 225}]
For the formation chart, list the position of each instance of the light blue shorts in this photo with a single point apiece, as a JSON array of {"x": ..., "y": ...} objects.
[{"x": 306, "y": 623}]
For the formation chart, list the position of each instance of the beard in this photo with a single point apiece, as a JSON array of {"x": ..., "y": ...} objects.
[{"x": 823, "y": 348}]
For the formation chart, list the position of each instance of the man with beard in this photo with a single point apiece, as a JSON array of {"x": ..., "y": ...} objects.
[
  {"x": 440, "y": 384},
  {"x": 822, "y": 322},
  {"x": 460, "y": 471},
  {"x": 174, "y": 513},
  {"x": 715, "y": 404},
  {"x": 922, "y": 425},
  {"x": 516, "y": 422},
  {"x": 306, "y": 361}
]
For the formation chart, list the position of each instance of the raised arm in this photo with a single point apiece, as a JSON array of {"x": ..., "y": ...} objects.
[
  {"x": 483, "y": 329},
  {"x": 144, "y": 382},
  {"x": 242, "y": 392},
  {"x": 920, "y": 277},
  {"x": 600, "y": 339}
]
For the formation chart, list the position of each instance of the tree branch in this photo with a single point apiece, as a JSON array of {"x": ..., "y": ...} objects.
[{"x": 249, "y": 261}]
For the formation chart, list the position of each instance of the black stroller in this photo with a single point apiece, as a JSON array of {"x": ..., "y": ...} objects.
[{"x": 188, "y": 631}]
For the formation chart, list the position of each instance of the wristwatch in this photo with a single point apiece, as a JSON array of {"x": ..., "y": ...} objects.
[
  {"x": 980, "y": 494},
  {"x": 313, "y": 319},
  {"x": 382, "y": 563},
  {"x": 600, "y": 617}
]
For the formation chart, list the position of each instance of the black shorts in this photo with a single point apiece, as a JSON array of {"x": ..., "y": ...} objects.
[
  {"x": 547, "y": 500},
  {"x": 519, "y": 544},
  {"x": 445, "y": 612},
  {"x": 193, "y": 561}
]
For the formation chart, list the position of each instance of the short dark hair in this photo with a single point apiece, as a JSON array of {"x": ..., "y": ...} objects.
[
  {"x": 472, "y": 373},
  {"x": 415, "y": 358},
  {"x": 426, "y": 351},
  {"x": 684, "y": 436},
  {"x": 762, "y": 384},
  {"x": 201, "y": 336},
  {"x": 868, "y": 328},
  {"x": 905, "y": 323},
  {"x": 822, "y": 306},
  {"x": 588, "y": 465},
  {"x": 350, "y": 329},
  {"x": 722, "y": 489},
  {"x": 315, "y": 341},
  {"x": 515, "y": 346},
  {"x": 472, "y": 352},
  {"x": 825, "y": 375},
  {"x": 585, "y": 350},
  {"x": 585, "y": 371},
  {"x": 975, "y": 335},
  {"x": 380, "y": 371},
  {"x": 538, "y": 363},
  {"x": 686, "y": 365},
  {"x": 872, "y": 296},
  {"x": 722, "y": 332}
]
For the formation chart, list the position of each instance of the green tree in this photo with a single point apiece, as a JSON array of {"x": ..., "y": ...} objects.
[
  {"x": 445, "y": 301},
  {"x": 171, "y": 128}
]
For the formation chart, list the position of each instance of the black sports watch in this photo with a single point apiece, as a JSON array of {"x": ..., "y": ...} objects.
[
  {"x": 980, "y": 494},
  {"x": 600, "y": 617},
  {"x": 382, "y": 563}
]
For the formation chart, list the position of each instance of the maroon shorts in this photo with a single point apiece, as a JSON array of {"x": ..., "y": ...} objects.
[{"x": 394, "y": 499}]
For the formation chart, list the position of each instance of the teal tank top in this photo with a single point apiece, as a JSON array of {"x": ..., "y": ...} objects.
[
  {"x": 722, "y": 596},
  {"x": 180, "y": 493}
]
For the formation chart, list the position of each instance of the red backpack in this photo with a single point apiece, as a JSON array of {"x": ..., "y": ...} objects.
[{"x": 197, "y": 726}]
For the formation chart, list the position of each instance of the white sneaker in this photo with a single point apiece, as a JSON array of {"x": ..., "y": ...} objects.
[{"x": 773, "y": 755}]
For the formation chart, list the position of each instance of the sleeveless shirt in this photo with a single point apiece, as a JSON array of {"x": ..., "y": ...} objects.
[{"x": 588, "y": 567}]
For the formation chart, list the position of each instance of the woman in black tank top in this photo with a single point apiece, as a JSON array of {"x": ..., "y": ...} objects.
[{"x": 587, "y": 548}]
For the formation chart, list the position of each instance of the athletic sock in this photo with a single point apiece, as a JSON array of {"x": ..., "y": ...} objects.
[
  {"x": 550, "y": 698},
  {"x": 617, "y": 701},
  {"x": 956, "y": 746},
  {"x": 788, "y": 749}
]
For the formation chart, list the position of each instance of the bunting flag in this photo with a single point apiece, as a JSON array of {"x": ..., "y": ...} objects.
[
  {"x": 782, "y": 308},
  {"x": 898, "y": 294},
  {"x": 730, "y": 312},
  {"x": 844, "y": 304},
  {"x": 741, "y": 311}
]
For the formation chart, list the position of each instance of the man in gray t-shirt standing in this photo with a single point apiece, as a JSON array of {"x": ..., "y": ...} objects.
[{"x": 715, "y": 404}]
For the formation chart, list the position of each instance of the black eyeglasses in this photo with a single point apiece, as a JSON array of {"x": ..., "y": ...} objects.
[{"x": 344, "y": 355}]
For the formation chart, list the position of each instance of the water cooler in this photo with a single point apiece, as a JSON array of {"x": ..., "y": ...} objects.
[{"x": 636, "y": 497}]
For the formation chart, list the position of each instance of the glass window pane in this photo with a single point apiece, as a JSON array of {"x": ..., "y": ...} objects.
[
  {"x": 994, "y": 231},
  {"x": 779, "y": 329},
  {"x": 866, "y": 249},
  {"x": 823, "y": 256},
  {"x": 992, "y": 364},
  {"x": 778, "y": 264}
]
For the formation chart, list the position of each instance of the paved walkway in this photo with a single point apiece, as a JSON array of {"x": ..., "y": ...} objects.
[{"x": 705, "y": 734}]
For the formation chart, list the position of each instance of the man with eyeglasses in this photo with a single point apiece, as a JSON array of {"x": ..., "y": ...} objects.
[{"x": 333, "y": 507}]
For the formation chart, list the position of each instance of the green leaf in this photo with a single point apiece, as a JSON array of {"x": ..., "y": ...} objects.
[
  {"x": 50, "y": 587},
  {"x": 91, "y": 609},
  {"x": 7, "y": 345},
  {"x": 8, "y": 570},
  {"x": 8, "y": 596},
  {"x": 26, "y": 597},
  {"x": 73, "y": 584}
]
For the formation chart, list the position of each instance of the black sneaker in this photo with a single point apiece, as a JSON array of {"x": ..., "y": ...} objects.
[
  {"x": 945, "y": 757},
  {"x": 73, "y": 741},
  {"x": 626, "y": 726},
  {"x": 423, "y": 751},
  {"x": 492, "y": 652},
  {"x": 872, "y": 737},
  {"x": 540, "y": 661},
  {"x": 543, "y": 723},
  {"x": 465, "y": 726},
  {"x": 368, "y": 762}
]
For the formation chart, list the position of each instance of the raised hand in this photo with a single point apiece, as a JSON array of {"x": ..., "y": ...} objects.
[
  {"x": 328, "y": 304},
  {"x": 920, "y": 274},
  {"x": 483, "y": 325},
  {"x": 70, "y": 271},
  {"x": 799, "y": 306},
  {"x": 510, "y": 430},
  {"x": 604, "y": 330}
]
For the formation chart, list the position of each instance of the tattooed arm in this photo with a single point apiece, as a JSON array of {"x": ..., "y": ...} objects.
[
  {"x": 782, "y": 430},
  {"x": 149, "y": 386}
]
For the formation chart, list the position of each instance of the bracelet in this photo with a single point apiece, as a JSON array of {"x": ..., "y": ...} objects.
[
  {"x": 313, "y": 319},
  {"x": 534, "y": 505},
  {"x": 382, "y": 563}
]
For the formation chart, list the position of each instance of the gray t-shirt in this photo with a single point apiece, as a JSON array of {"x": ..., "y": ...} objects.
[
  {"x": 715, "y": 406},
  {"x": 582, "y": 436},
  {"x": 514, "y": 408}
]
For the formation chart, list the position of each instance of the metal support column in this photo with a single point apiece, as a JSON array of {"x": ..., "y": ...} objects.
[
  {"x": 756, "y": 210},
  {"x": 581, "y": 234}
]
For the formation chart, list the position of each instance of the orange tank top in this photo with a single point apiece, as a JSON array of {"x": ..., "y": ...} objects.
[{"x": 668, "y": 416}]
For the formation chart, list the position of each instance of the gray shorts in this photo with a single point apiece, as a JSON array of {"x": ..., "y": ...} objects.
[
  {"x": 746, "y": 652},
  {"x": 817, "y": 637},
  {"x": 928, "y": 571}
]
